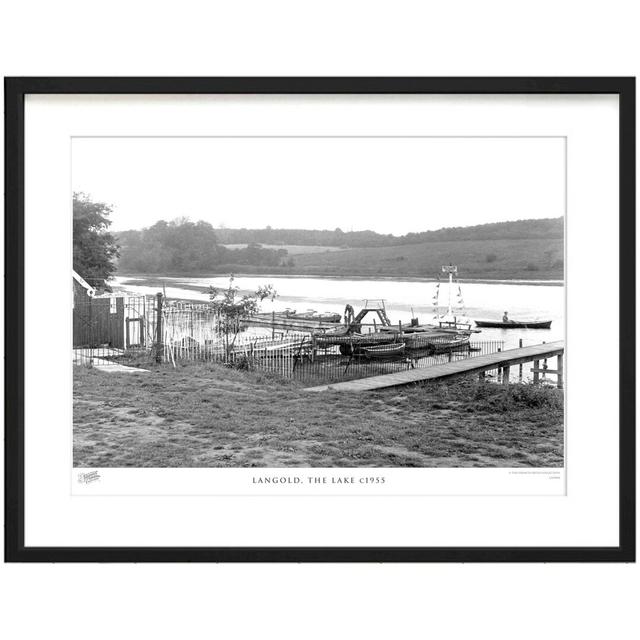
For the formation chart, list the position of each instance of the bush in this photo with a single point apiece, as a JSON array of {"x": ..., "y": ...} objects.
[
  {"x": 532, "y": 267},
  {"x": 536, "y": 395},
  {"x": 491, "y": 257},
  {"x": 242, "y": 363},
  {"x": 496, "y": 398}
]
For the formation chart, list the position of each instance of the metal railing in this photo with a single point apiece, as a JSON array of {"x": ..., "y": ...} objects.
[
  {"x": 298, "y": 356},
  {"x": 129, "y": 330},
  {"x": 109, "y": 327}
]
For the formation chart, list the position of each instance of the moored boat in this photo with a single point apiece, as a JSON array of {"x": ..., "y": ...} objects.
[
  {"x": 435, "y": 342},
  {"x": 312, "y": 314},
  {"x": 350, "y": 342},
  {"x": 292, "y": 314},
  {"x": 382, "y": 350},
  {"x": 451, "y": 343},
  {"x": 349, "y": 337},
  {"x": 328, "y": 316},
  {"x": 413, "y": 329}
]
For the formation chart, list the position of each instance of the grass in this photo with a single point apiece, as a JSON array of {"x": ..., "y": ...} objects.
[
  {"x": 292, "y": 249},
  {"x": 533, "y": 259},
  {"x": 209, "y": 416},
  {"x": 536, "y": 259}
]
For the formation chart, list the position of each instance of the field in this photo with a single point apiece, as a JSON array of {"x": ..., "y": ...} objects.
[
  {"x": 533, "y": 259},
  {"x": 494, "y": 259},
  {"x": 210, "y": 416},
  {"x": 292, "y": 249}
]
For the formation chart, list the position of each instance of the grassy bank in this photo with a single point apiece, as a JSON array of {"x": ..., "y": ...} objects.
[
  {"x": 210, "y": 416},
  {"x": 533, "y": 259}
]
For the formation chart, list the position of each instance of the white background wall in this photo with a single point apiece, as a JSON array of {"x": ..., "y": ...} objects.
[{"x": 328, "y": 38}]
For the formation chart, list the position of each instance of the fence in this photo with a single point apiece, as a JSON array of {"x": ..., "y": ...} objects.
[
  {"x": 106, "y": 329},
  {"x": 140, "y": 330},
  {"x": 539, "y": 372},
  {"x": 298, "y": 356},
  {"x": 188, "y": 329}
]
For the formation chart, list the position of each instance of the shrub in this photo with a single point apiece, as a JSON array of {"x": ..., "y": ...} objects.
[
  {"x": 488, "y": 396},
  {"x": 491, "y": 257},
  {"x": 242, "y": 363},
  {"x": 536, "y": 395}
]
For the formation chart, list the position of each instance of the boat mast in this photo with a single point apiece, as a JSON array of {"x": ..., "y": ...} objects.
[{"x": 450, "y": 269}]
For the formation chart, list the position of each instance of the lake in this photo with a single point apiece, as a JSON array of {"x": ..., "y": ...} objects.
[{"x": 485, "y": 300}]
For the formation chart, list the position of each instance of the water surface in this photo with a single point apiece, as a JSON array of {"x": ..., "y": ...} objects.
[{"x": 403, "y": 299}]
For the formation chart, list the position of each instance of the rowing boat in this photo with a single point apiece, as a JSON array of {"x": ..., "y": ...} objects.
[
  {"x": 348, "y": 342},
  {"x": 436, "y": 343},
  {"x": 451, "y": 343},
  {"x": 514, "y": 324},
  {"x": 382, "y": 350}
]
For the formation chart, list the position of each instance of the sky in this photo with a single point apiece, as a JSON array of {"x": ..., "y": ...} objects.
[{"x": 390, "y": 185}]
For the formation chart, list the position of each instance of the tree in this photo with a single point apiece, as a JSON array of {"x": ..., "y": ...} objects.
[
  {"x": 178, "y": 246},
  {"x": 232, "y": 307},
  {"x": 94, "y": 248}
]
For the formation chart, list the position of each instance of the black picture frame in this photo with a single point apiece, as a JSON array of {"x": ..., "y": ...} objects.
[{"x": 15, "y": 91}]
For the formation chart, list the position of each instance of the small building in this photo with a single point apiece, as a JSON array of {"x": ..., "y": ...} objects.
[
  {"x": 113, "y": 321},
  {"x": 96, "y": 320}
]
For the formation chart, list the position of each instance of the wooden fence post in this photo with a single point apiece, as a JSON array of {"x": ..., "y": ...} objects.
[
  {"x": 520, "y": 365},
  {"x": 159, "y": 333},
  {"x": 560, "y": 371},
  {"x": 505, "y": 375},
  {"x": 536, "y": 372}
]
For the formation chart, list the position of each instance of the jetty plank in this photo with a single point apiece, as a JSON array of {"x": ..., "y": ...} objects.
[{"x": 477, "y": 364}]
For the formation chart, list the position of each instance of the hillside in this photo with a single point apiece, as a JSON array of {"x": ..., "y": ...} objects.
[
  {"x": 544, "y": 228},
  {"x": 524, "y": 249},
  {"x": 482, "y": 259},
  {"x": 497, "y": 259}
]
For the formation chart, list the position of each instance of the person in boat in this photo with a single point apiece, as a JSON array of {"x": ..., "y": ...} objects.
[{"x": 505, "y": 318}]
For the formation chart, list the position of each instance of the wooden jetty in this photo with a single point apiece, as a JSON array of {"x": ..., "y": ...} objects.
[
  {"x": 502, "y": 360},
  {"x": 289, "y": 324}
]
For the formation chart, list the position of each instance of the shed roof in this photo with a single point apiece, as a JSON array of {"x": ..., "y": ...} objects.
[{"x": 83, "y": 283}]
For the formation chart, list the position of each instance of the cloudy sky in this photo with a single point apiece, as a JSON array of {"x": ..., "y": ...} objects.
[{"x": 390, "y": 185}]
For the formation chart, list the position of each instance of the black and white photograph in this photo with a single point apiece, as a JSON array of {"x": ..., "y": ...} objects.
[
  {"x": 348, "y": 301},
  {"x": 378, "y": 315},
  {"x": 349, "y": 349}
]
